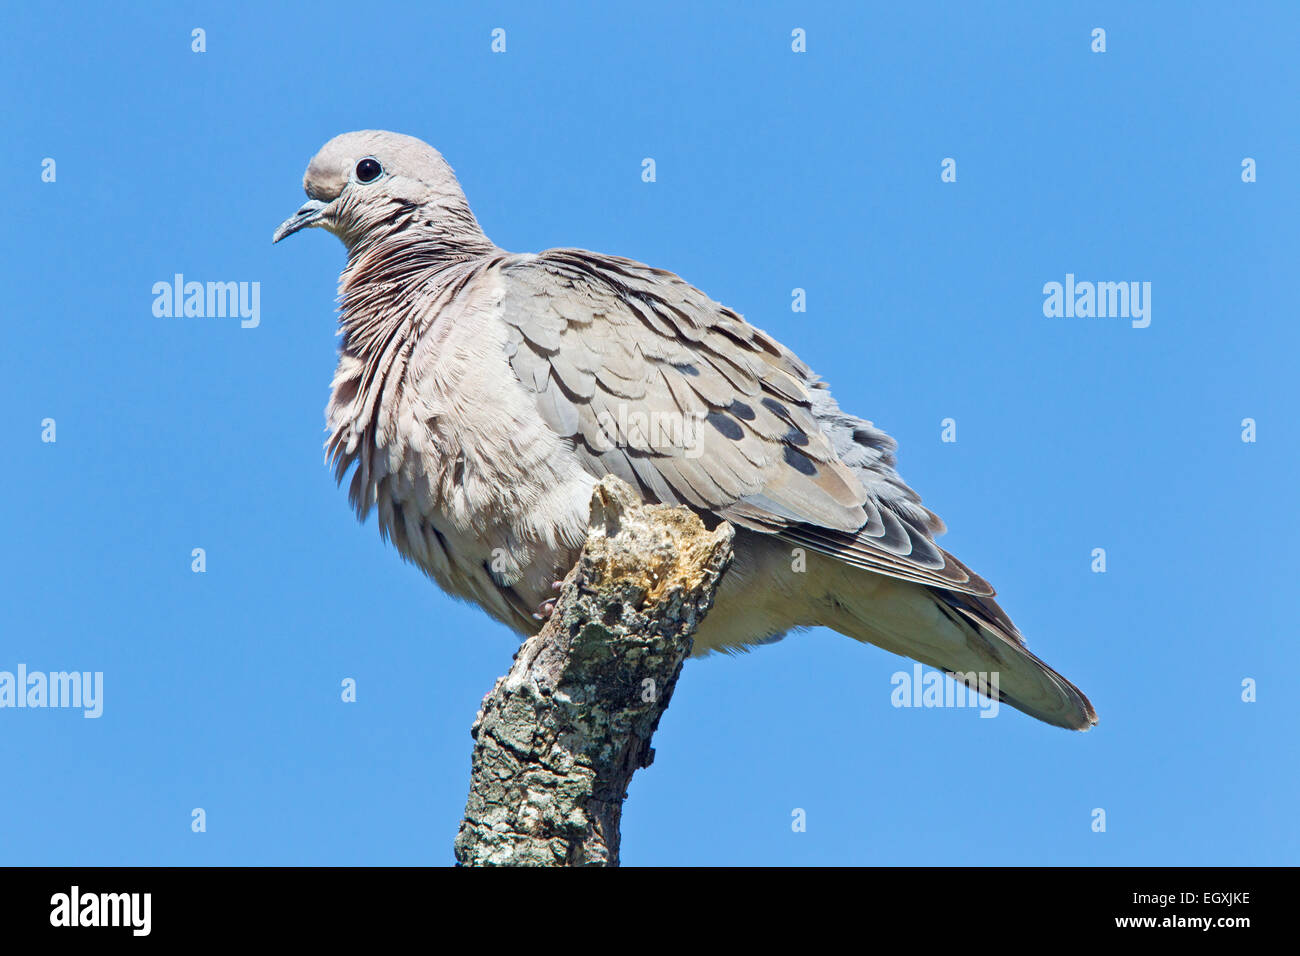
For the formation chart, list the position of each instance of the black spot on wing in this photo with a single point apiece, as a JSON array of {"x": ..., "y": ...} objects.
[
  {"x": 728, "y": 427},
  {"x": 799, "y": 461},
  {"x": 776, "y": 408},
  {"x": 742, "y": 411}
]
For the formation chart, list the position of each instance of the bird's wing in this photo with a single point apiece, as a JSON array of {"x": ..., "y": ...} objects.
[{"x": 680, "y": 397}]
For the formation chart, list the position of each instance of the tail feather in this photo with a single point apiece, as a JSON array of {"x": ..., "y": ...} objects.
[{"x": 959, "y": 634}]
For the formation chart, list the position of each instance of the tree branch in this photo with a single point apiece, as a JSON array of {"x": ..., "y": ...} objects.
[{"x": 558, "y": 738}]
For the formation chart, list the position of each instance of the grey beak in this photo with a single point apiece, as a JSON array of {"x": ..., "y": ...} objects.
[{"x": 308, "y": 215}]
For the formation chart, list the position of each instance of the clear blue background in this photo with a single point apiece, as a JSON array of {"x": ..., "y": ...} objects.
[{"x": 775, "y": 171}]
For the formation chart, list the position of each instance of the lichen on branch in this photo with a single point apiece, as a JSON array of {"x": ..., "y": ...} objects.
[{"x": 558, "y": 738}]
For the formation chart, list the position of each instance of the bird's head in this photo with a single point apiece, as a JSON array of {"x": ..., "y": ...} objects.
[{"x": 370, "y": 183}]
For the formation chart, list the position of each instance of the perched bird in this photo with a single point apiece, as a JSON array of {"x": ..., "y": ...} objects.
[{"x": 480, "y": 394}]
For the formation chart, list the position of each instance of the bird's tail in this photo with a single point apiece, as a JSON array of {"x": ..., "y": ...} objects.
[{"x": 967, "y": 636}]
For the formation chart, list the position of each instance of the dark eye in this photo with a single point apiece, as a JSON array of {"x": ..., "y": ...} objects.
[{"x": 368, "y": 170}]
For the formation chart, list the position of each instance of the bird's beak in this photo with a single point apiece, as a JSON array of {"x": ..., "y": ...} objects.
[{"x": 309, "y": 215}]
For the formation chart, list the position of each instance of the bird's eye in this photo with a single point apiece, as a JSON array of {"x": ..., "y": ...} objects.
[{"x": 368, "y": 170}]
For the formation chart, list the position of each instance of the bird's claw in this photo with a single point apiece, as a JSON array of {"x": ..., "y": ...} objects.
[{"x": 547, "y": 607}]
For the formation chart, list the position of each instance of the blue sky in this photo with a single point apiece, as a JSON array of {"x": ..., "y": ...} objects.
[{"x": 775, "y": 170}]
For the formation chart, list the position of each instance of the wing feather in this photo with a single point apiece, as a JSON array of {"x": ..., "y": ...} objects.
[{"x": 655, "y": 382}]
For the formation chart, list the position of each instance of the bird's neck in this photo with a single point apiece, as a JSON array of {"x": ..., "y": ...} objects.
[
  {"x": 431, "y": 231},
  {"x": 391, "y": 293},
  {"x": 393, "y": 273}
]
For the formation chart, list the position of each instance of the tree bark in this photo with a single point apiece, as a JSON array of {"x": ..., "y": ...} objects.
[{"x": 558, "y": 738}]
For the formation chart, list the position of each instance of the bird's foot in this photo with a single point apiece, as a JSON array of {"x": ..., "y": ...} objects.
[{"x": 547, "y": 607}]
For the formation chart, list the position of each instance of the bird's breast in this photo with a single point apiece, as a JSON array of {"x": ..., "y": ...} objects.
[{"x": 466, "y": 478}]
